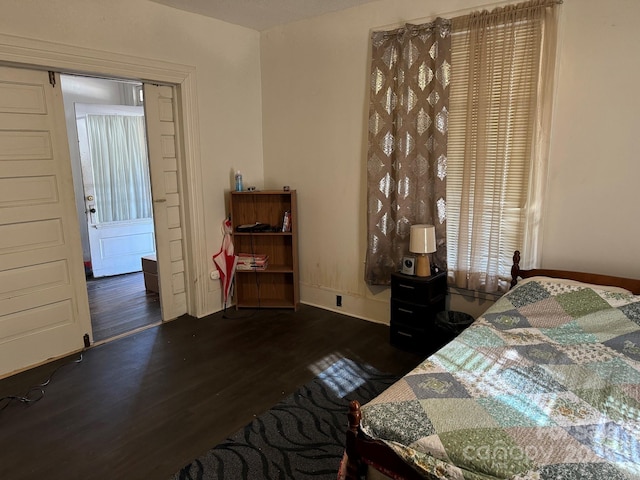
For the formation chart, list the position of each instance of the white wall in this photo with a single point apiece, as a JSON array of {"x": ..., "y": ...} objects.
[
  {"x": 315, "y": 87},
  {"x": 227, "y": 64},
  {"x": 593, "y": 214}
]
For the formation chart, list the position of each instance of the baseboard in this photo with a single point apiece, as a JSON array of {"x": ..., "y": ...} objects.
[{"x": 375, "y": 309}]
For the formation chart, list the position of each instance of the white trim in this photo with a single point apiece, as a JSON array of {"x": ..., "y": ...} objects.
[
  {"x": 378, "y": 310},
  {"x": 196, "y": 268},
  {"x": 43, "y": 55},
  {"x": 365, "y": 308}
]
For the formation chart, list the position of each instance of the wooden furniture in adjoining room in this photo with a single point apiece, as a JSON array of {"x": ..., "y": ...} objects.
[
  {"x": 415, "y": 301},
  {"x": 551, "y": 327},
  {"x": 150, "y": 272},
  {"x": 275, "y": 286}
]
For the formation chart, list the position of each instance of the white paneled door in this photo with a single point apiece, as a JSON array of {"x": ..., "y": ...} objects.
[
  {"x": 44, "y": 311},
  {"x": 117, "y": 193},
  {"x": 160, "y": 108}
]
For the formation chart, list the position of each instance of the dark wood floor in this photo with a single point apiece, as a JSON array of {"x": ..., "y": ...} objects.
[
  {"x": 109, "y": 297},
  {"x": 142, "y": 406}
]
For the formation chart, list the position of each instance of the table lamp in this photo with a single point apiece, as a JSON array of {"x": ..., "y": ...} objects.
[{"x": 422, "y": 240}]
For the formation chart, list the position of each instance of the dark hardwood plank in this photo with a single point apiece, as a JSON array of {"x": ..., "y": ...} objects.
[
  {"x": 142, "y": 406},
  {"x": 120, "y": 304}
]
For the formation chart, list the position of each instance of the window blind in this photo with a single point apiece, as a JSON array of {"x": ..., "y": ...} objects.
[{"x": 493, "y": 112}]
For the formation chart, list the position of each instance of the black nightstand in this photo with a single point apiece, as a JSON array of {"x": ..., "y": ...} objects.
[{"x": 415, "y": 301}]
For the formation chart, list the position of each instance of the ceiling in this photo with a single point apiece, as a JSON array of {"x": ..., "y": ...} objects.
[{"x": 261, "y": 14}]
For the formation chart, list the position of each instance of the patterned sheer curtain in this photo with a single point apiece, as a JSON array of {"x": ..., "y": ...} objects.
[
  {"x": 120, "y": 167},
  {"x": 500, "y": 106},
  {"x": 407, "y": 156}
]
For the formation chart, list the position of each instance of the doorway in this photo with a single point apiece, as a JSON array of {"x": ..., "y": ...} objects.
[
  {"x": 110, "y": 166},
  {"x": 120, "y": 305},
  {"x": 171, "y": 106}
]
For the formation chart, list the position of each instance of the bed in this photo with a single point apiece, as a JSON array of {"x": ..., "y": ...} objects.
[{"x": 544, "y": 385}]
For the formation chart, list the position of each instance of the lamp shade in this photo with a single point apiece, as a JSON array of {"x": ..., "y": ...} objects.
[{"x": 422, "y": 239}]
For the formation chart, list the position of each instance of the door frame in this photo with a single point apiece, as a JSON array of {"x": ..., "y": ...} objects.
[{"x": 42, "y": 55}]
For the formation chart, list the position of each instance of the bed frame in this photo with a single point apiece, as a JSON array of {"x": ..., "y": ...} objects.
[
  {"x": 597, "y": 279},
  {"x": 362, "y": 451}
]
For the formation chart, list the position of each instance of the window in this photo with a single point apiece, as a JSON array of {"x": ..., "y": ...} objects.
[
  {"x": 499, "y": 114},
  {"x": 492, "y": 117}
]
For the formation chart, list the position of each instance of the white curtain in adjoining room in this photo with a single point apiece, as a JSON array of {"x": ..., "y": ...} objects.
[{"x": 120, "y": 167}]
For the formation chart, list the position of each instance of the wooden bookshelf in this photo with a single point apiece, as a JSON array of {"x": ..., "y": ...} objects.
[{"x": 276, "y": 286}]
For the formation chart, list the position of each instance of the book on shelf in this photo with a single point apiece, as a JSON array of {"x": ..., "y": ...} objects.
[{"x": 250, "y": 261}]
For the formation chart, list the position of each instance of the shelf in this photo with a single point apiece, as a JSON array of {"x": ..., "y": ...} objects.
[
  {"x": 254, "y": 303},
  {"x": 270, "y": 269},
  {"x": 260, "y": 234},
  {"x": 263, "y": 192},
  {"x": 277, "y": 285}
]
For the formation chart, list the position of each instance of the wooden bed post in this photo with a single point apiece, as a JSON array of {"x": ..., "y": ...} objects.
[
  {"x": 353, "y": 459},
  {"x": 515, "y": 268}
]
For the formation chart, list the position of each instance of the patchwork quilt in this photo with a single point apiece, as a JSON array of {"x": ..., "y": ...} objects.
[{"x": 544, "y": 385}]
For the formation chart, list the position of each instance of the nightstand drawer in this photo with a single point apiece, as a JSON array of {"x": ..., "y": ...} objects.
[
  {"x": 414, "y": 315},
  {"x": 413, "y": 339},
  {"x": 421, "y": 290}
]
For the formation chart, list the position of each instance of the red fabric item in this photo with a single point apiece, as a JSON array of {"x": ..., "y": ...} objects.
[{"x": 225, "y": 261}]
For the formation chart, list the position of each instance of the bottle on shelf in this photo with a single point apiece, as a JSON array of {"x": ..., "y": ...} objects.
[{"x": 238, "y": 181}]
